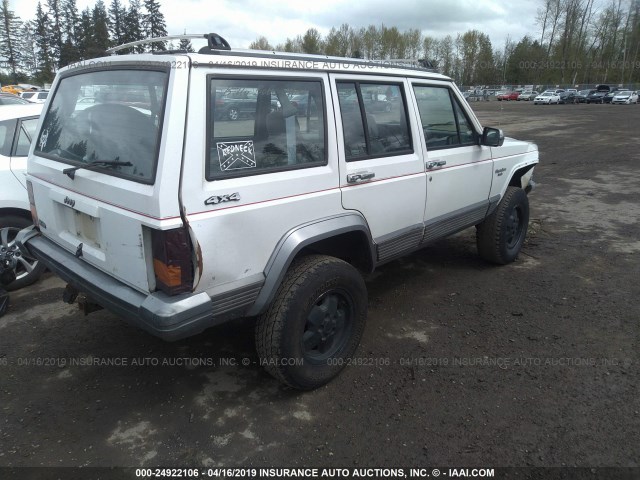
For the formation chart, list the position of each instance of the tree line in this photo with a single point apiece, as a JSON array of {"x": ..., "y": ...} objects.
[
  {"x": 579, "y": 42},
  {"x": 60, "y": 35}
]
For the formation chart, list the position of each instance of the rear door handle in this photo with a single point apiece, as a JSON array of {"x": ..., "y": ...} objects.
[
  {"x": 436, "y": 163},
  {"x": 360, "y": 177}
]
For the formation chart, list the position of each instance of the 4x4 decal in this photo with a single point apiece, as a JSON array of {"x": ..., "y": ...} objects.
[{"x": 216, "y": 199}]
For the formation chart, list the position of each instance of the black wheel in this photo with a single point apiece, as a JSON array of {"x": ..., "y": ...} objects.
[
  {"x": 28, "y": 269},
  {"x": 501, "y": 235},
  {"x": 315, "y": 322},
  {"x": 233, "y": 113}
]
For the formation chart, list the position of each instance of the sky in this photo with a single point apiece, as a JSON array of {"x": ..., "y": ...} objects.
[{"x": 243, "y": 21}]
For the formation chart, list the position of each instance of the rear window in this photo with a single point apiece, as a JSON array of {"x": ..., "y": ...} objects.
[{"x": 107, "y": 115}]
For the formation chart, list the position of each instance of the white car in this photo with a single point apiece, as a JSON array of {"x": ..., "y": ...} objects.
[
  {"x": 547, "y": 97},
  {"x": 179, "y": 218},
  {"x": 625, "y": 97},
  {"x": 39, "y": 96},
  {"x": 17, "y": 127}
]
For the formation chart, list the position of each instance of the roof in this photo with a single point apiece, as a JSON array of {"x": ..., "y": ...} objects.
[
  {"x": 8, "y": 112},
  {"x": 268, "y": 61}
]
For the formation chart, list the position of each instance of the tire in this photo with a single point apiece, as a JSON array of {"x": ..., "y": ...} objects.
[
  {"x": 316, "y": 321},
  {"x": 233, "y": 113},
  {"x": 29, "y": 269},
  {"x": 501, "y": 235}
]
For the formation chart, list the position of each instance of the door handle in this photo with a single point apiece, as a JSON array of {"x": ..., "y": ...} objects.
[
  {"x": 360, "y": 177},
  {"x": 436, "y": 163}
]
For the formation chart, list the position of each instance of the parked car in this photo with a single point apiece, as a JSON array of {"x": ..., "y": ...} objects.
[
  {"x": 596, "y": 96},
  {"x": 527, "y": 96},
  {"x": 547, "y": 98},
  {"x": 581, "y": 96},
  {"x": 557, "y": 91},
  {"x": 14, "y": 89},
  {"x": 11, "y": 99},
  {"x": 178, "y": 220},
  {"x": 512, "y": 95},
  {"x": 17, "y": 128},
  {"x": 567, "y": 97},
  {"x": 608, "y": 97},
  {"x": 238, "y": 104},
  {"x": 625, "y": 97},
  {"x": 39, "y": 96}
]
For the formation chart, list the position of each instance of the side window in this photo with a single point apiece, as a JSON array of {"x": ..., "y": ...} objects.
[
  {"x": 444, "y": 122},
  {"x": 264, "y": 125},
  {"x": 25, "y": 134},
  {"x": 374, "y": 120}
]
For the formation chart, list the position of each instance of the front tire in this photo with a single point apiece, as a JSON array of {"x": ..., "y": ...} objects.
[
  {"x": 501, "y": 235},
  {"x": 314, "y": 324}
]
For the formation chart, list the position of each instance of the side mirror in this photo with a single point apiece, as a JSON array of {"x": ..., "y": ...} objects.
[{"x": 492, "y": 137}]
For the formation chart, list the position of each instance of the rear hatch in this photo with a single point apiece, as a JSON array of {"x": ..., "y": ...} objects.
[{"x": 104, "y": 173}]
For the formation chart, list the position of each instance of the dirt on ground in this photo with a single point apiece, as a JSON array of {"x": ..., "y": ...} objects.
[{"x": 462, "y": 363}]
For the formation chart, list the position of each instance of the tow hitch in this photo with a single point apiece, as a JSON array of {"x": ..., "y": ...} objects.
[{"x": 85, "y": 304}]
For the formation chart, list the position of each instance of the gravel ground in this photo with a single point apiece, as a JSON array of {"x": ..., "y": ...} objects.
[{"x": 462, "y": 363}]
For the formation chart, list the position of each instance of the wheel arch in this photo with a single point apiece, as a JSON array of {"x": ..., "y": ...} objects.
[
  {"x": 344, "y": 236},
  {"x": 522, "y": 176},
  {"x": 18, "y": 212}
]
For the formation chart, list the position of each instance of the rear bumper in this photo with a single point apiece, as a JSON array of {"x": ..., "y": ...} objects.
[{"x": 170, "y": 318}]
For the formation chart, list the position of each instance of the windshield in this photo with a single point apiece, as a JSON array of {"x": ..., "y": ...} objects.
[{"x": 107, "y": 115}]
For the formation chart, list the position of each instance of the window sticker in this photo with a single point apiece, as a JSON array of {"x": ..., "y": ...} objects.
[
  {"x": 236, "y": 155},
  {"x": 43, "y": 138}
]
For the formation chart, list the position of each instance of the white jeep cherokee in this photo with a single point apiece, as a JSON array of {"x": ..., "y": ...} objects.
[{"x": 155, "y": 204}]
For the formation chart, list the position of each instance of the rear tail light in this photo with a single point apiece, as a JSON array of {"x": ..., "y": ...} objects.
[
  {"x": 32, "y": 203},
  {"x": 172, "y": 260}
]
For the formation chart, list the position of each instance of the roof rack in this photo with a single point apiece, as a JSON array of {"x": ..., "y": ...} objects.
[
  {"x": 214, "y": 42},
  {"x": 218, "y": 45}
]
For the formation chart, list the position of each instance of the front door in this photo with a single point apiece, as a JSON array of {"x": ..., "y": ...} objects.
[{"x": 459, "y": 169}]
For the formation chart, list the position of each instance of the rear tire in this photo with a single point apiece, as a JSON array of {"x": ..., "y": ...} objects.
[
  {"x": 314, "y": 324},
  {"x": 29, "y": 269},
  {"x": 501, "y": 235}
]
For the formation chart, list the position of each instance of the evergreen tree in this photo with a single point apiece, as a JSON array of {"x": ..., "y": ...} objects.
[
  {"x": 55, "y": 30},
  {"x": 70, "y": 20},
  {"x": 132, "y": 26},
  {"x": 69, "y": 51},
  {"x": 117, "y": 13},
  {"x": 28, "y": 48},
  {"x": 44, "y": 73},
  {"x": 100, "y": 25},
  {"x": 153, "y": 24},
  {"x": 185, "y": 44},
  {"x": 85, "y": 33},
  {"x": 10, "y": 26}
]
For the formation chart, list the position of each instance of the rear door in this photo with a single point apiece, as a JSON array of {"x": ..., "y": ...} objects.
[
  {"x": 381, "y": 164},
  {"x": 253, "y": 173},
  {"x": 104, "y": 213}
]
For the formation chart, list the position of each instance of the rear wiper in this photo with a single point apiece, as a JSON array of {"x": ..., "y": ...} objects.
[{"x": 71, "y": 172}]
